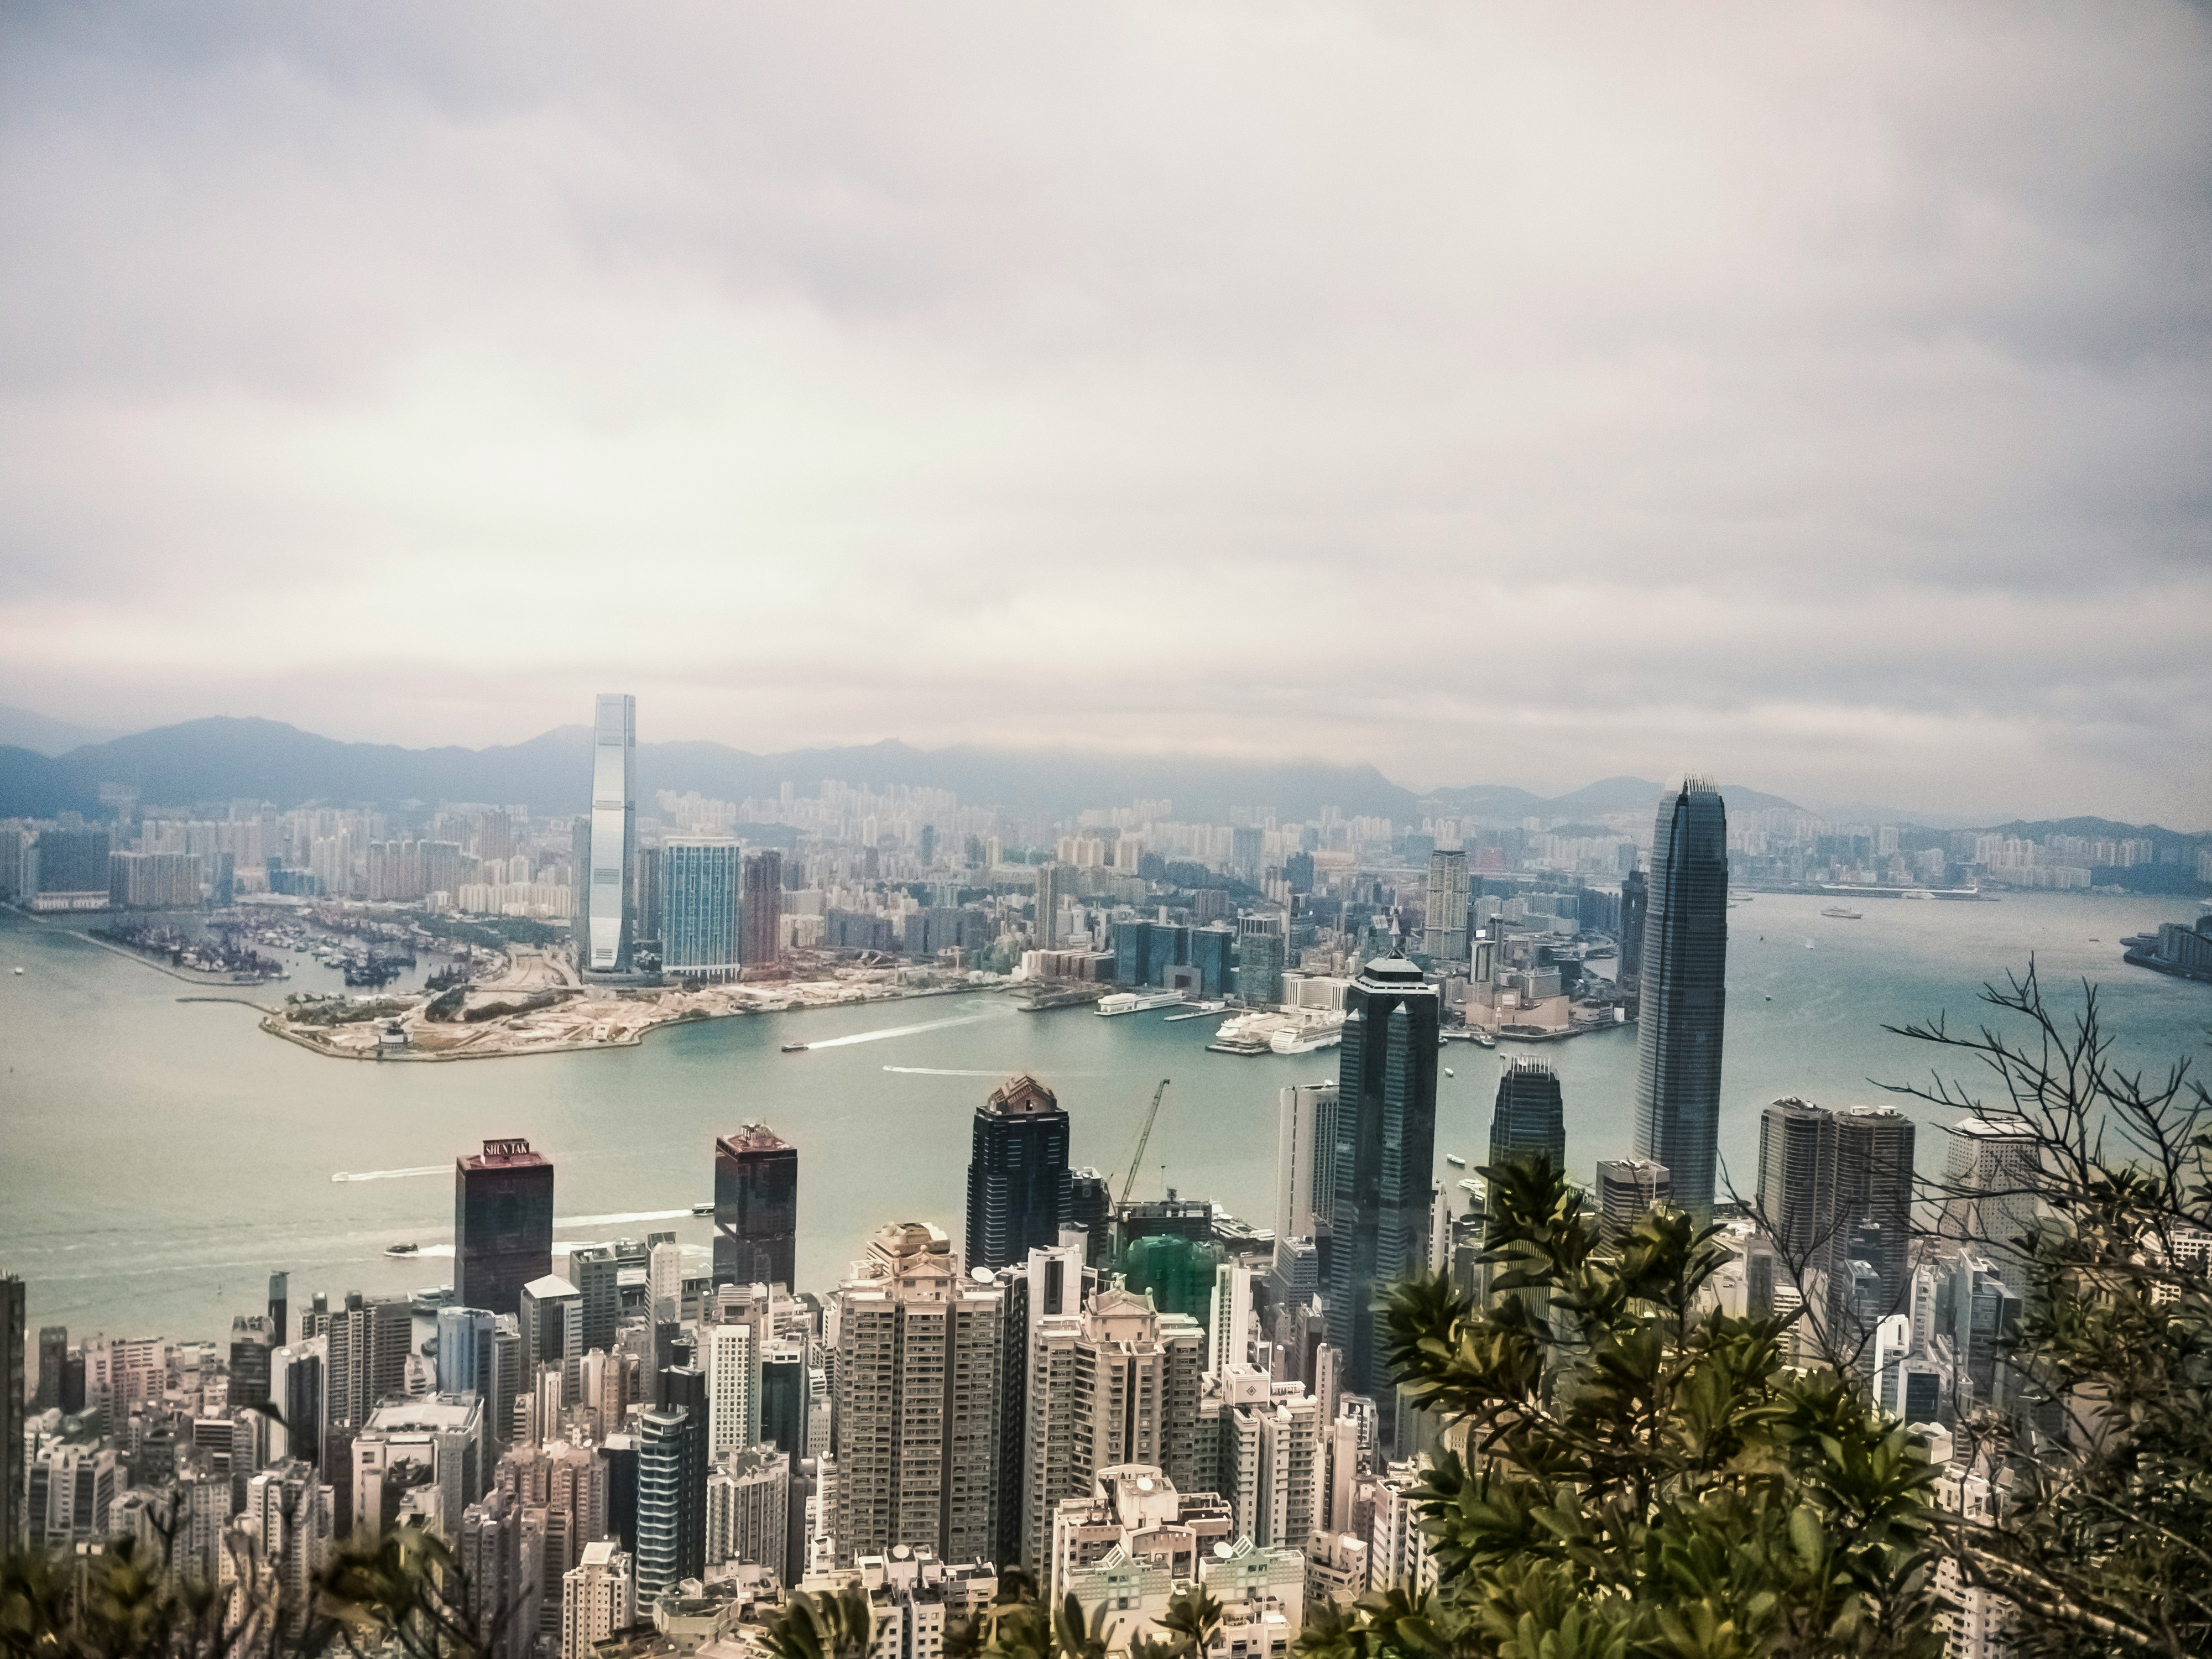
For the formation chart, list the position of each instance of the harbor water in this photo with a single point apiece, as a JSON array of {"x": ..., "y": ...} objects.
[{"x": 162, "y": 1158}]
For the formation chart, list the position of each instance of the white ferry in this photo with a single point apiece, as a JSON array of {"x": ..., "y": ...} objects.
[{"x": 1137, "y": 1002}]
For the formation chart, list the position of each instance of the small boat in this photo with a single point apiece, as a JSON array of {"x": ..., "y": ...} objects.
[
  {"x": 1456, "y": 1160},
  {"x": 1840, "y": 913},
  {"x": 1483, "y": 1040},
  {"x": 707, "y": 1208},
  {"x": 408, "y": 1247},
  {"x": 794, "y": 1048},
  {"x": 19, "y": 970},
  {"x": 1808, "y": 944},
  {"x": 1450, "y": 1072}
]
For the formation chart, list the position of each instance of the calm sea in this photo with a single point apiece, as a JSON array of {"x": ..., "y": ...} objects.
[{"x": 162, "y": 1158}]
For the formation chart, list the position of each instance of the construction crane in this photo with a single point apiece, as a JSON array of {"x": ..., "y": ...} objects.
[{"x": 1144, "y": 1137}]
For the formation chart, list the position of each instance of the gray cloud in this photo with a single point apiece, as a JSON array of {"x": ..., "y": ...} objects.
[{"x": 1821, "y": 396}]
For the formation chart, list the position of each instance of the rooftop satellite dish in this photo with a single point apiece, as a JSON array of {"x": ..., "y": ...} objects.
[
  {"x": 1222, "y": 1551},
  {"x": 981, "y": 1275}
]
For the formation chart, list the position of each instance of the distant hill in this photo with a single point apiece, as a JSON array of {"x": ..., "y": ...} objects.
[
  {"x": 2036, "y": 829},
  {"x": 26, "y": 728},
  {"x": 1491, "y": 803},
  {"x": 36, "y": 786},
  {"x": 225, "y": 759},
  {"x": 220, "y": 760}
]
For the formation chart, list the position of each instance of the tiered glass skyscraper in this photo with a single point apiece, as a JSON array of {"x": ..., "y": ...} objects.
[
  {"x": 1529, "y": 1118},
  {"x": 1684, "y": 993},
  {"x": 609, "y": 892}
]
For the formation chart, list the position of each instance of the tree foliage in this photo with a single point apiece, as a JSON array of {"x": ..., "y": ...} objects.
[
  {"x": 1639, "y": 1477},
  {"x": 402, "y": 1594},
  {"x": 2101, "y": 1540}
]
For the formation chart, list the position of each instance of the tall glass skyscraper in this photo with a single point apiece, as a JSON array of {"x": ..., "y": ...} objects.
[
  {"x": 756, "y": 1209},
  {"x": 1684, "y": 993},
  {"x": 1019, "y": 1191},
  {"x": 502, "y": 1225},
  {"x": 698, "y": 883},
  {"x": 1385, "y": 1160},
  {"x": 609, "y": 882}
]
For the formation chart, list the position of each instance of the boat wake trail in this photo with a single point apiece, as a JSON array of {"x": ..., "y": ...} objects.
[
  {"x": 897, "y": 1031},
  {"x": 391, "y": 1175}
]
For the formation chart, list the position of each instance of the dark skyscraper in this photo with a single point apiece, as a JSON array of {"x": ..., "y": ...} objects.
[
  {"x": 1797, "y": 1180},
  {"x": 1684, "y": 993},
  {"x": 280, "y": 1308},
  {"x": 783, "y": 1397},
  {"x": 760, "y": 924},
  {"x": 1090, "y": 1206},
  {"x": 596, "y": 1271},
  {"x": 1528, "y": 1117},
  {"x": 502, "y": 1225},
  {"x": 1019, "y": 1191},
  {"x": 1835, "y": 1189},
  {"x": 1386, "y": 1132},
  {"x": 1635, "y": 901},
  {"x": 252, "y": 1343},
  {"x": 1874, "y": 1197},
  {"x": 1627, "y": 1187},
  {"x": 53, "y": 1364},
  {"x": 14, "y": 1308},
  {"x": 756, "y": 1209}
]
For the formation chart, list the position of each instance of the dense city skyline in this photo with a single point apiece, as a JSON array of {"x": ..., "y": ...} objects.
[
  {"x": 1348, "y": 829},
  {"x": 1131, "y": 1397}
]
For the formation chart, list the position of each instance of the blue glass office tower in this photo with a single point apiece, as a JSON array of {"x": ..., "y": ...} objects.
[
  {"x": 1386, "y": 1137},
  {"x": 699, "y": 880},
  {"x": 464, "y": 1353},
  {"x": 1684, "y": 993}
]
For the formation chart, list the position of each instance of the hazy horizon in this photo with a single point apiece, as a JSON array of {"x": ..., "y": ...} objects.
[
  {"x": 1661, "y": 777},
  {"x": 1817, "y": 397}
]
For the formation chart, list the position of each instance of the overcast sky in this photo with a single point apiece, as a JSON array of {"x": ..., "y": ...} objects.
[{"x": 1821, "y": 396}]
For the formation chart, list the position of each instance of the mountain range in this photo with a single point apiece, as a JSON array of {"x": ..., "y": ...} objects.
[{"x": 225, "y": 759}]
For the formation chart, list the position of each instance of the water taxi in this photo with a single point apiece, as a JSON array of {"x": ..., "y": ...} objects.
[{"x": 407, "y": 1248}]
